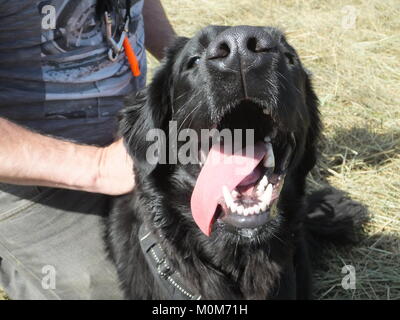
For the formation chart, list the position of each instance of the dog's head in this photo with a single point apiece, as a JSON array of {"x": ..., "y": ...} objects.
[{"x": 225, "y": 79}]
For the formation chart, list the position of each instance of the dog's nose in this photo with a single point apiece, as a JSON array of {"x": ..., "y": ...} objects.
[{"x": 238, "y": 47}]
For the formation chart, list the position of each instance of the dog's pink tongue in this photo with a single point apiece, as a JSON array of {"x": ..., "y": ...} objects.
[{"x": 220, "y": 170}]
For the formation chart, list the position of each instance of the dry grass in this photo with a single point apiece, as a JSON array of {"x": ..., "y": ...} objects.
[
  {"x": 3, "y": 295},
  {"x": 357, "y": 76}
]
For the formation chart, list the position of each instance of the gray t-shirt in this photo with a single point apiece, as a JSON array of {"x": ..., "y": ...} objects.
[{"x": 60, "y": 81}]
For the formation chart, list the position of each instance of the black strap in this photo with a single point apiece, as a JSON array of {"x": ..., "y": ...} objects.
[
  {"x": 112, "y": 6},
  {"x": 128, "y": 10},
  {"x": 170, "y": 280}
]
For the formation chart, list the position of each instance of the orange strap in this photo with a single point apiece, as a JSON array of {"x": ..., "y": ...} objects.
[{"x": 130, "y": 54}]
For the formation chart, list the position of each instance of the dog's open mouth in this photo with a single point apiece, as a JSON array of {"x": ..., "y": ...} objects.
[
  {"x": 251, "y": 202},
  {"x": 242, "y": 188}
]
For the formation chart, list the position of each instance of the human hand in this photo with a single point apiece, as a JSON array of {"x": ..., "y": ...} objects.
[{"x": 115, "y": 170}]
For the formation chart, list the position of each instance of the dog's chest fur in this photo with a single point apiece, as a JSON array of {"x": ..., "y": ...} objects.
[{"x": 214, "y": 272}]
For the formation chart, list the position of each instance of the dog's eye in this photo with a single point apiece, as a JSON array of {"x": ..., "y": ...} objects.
[
  {"x": 290, "y": 58},
  {"x": 194, "y": 61}
]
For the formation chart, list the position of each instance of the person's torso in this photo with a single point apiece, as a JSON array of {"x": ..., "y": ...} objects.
[{"x": 55, "y": 73}]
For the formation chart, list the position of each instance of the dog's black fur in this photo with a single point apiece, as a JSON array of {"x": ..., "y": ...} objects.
[{"x": 273, "y": 261}]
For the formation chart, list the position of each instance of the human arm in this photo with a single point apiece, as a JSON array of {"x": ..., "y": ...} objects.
[
  {"x": 158, "y": 30},
  {"x": 29, "y": 158}
]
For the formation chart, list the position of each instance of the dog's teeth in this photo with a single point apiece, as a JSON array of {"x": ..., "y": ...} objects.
[
  {"x": 269, "y": 161},
  {"x": 240, "y": 209},
  {"x": 252, "y": 210},
  {"x": 227, "y": 196},
  {"x": 261, "y": 186},
  {"x": 266, "y": 197},
  {"x": 269, "y": 158},
  {"x": 234, "y": 193},
  {"x": 263, "y": 206},
  {"x": 268, "y": 194},
  {"x": 257, "y": 209},
  {"x": 234, "y": 207},
  {"x": 265, "y": 111},
  {"x": 263, "y": 183}
]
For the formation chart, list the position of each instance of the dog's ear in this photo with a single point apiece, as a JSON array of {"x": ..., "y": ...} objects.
[
  {"x": 314, "y": 131},
  {"x": 150, "y": 109}
]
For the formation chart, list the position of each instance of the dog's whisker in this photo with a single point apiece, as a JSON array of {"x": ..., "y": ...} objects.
[
  {"x": 236, "y": 246},
  {"x": 194, "y": 115},
  {"x": 284, "y": 78},
  {"x": 183, "y": 107},
  {"x": 188, "y": 115},
  {"x": 275, "y": 236}
]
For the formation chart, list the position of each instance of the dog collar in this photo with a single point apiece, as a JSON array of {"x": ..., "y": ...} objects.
[{"x": 169, "y": 279}]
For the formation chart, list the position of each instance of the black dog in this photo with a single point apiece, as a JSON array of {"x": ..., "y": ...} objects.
[{"x": 255, "y": 241}]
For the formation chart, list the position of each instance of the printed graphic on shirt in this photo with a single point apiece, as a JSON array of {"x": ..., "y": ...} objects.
[
  {"x": 74, "y": 53},
  {"x": 76, "y": 26}
]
